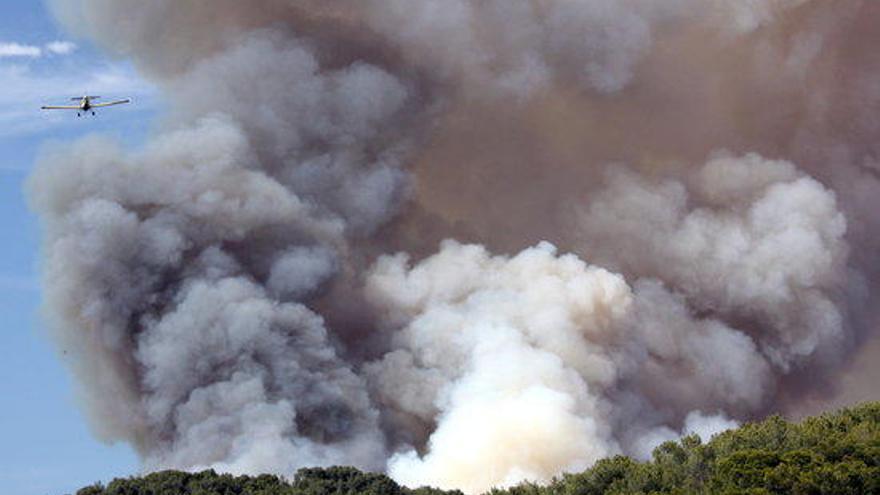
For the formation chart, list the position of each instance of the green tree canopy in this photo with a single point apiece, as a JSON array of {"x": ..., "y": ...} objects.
[{"x": 835, "y": 453}]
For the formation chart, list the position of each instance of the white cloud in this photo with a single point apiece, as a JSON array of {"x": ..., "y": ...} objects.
[
  {"x": 19, "y": 50},
  {"x": 61, "y": 47},
  {"x": 33, "y": 51}
]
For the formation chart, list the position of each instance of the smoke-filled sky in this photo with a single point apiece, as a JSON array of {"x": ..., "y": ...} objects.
[{"x": 467, "y": 243}]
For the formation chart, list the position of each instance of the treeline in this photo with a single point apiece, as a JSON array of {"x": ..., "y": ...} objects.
[
  {"x": 313, "y": 481},
  {"x": 830, "y": 454}
]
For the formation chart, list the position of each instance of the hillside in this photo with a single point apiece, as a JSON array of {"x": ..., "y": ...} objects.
[{"x": 837, "y": 453}]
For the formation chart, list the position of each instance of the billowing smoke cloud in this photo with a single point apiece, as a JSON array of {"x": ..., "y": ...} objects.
[
  {"x": 658, "y": 220},
  {"x": 503, "y": 354},
  {"x": 756, "y": 241}
]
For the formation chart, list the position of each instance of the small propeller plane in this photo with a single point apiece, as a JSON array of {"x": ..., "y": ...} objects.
[{"x": 86, "y": 105}]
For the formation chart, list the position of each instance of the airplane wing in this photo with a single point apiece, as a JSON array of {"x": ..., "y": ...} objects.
[
  {"x": 61, "y": 108},
  {"x": 110, "y": 103}
]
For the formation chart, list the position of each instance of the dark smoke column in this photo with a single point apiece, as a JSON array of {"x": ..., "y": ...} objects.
[{"x": 179, "y": 277}]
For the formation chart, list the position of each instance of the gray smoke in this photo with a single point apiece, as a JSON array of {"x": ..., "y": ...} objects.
[{"x": 662, "y": 219}]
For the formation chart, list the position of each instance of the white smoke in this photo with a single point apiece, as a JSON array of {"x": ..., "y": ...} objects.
[
  {"x": 515, "y": 354},
  {"x": 228, "y": 294},
  {"x": 492, "y": 335},
  {"x": 756, "y": 240},
  {"x": 695, "y": 423}
]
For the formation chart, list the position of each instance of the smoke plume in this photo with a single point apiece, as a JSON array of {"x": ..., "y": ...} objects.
[{"x": 653, "y": 219}]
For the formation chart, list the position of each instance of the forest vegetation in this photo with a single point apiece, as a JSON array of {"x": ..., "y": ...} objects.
[{"x": 835, "y": 453}]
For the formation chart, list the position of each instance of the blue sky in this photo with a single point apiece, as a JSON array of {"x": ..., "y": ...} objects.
[{"x": 45, "y": 444}]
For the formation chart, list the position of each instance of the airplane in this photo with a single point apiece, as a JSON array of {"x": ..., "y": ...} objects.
[{"x": 86, "y": 105}]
